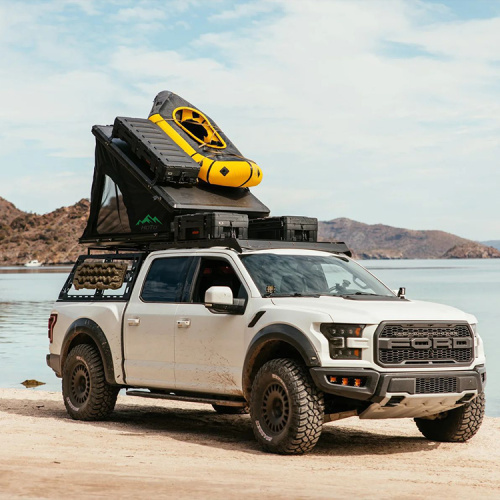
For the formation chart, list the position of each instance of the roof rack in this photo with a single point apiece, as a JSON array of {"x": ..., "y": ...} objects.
[{"x": 238, "y": 245}]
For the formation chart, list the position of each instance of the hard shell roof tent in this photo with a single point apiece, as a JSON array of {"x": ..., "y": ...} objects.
[{"x": 128, "y": 205}]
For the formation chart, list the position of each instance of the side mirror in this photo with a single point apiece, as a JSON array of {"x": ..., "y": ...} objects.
[{"x": 219, "y": 300}]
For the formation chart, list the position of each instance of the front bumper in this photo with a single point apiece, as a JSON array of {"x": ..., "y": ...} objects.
[{"x": 378, "y": 387}]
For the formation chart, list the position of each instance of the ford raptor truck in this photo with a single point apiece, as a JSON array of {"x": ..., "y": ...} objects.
[{"x": 297, "y": 337}]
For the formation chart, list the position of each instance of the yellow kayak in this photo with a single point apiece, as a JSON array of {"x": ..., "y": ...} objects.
[{"x": 220, "y": 161}]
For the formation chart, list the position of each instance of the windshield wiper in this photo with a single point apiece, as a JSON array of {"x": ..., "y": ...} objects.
[
  {"x": 295, "y": 294},
  {"x": 355, "y": 295}
]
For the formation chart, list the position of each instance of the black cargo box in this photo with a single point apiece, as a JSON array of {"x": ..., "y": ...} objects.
[
  {"x": 210, "y": 225},
  {"x": 285, "y": 228},
  {"x": 168, "y": 162},
  {"x": 128, "y": 207}
]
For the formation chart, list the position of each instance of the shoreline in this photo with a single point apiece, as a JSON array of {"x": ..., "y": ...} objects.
[{"x": 166, "y": 448}]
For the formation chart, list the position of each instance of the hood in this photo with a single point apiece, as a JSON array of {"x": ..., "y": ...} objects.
[{"x": 372, "y": 312}]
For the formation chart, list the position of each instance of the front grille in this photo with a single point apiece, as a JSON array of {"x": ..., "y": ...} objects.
[
  {"x": 436, "y": 385},
  {"x": 424, "y": 344}
]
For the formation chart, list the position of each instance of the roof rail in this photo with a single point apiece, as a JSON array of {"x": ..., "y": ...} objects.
[{"x": 238, "y": 245}]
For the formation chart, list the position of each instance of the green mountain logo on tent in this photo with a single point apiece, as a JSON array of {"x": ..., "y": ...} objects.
[{"x": 148, "y": 220}]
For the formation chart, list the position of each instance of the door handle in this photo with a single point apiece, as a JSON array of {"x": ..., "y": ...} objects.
[
  {"x": 133, "y": 321},
  {"x": 183, "y": 323}
]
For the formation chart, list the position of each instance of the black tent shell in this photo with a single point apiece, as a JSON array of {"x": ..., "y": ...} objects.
[{"x": 128, "y": 206}]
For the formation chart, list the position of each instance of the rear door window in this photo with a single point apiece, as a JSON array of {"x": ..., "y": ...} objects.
[{"x": 168, "y": 280}]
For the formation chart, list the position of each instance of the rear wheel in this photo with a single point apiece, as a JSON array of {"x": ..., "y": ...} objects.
[
  {"x": 286, "y": 409},
  {"x": 457, "y": 425},
  {"x": 87, "y": 395}
]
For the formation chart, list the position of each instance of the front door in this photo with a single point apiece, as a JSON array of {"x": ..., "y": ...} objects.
[{"x": 209, "y": 348}]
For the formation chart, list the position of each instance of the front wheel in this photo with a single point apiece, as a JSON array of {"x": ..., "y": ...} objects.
[
  {"x": 87, "y": 395},
  {"x": 457, "y": 425},
  {"x": 286, "y": 409}
]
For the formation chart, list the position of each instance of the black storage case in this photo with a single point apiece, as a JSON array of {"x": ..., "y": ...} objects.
[
  {"x": 285, "y": 228},
  {"x": 210, "y": 225},
  {"x": 168, "y": 162}
]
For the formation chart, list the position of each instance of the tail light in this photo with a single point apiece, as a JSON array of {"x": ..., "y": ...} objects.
[{"x": 52, "y": 323}]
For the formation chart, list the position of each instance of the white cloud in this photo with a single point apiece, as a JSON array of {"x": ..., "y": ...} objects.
[
  {"x": 140, "y": 14},
  {"x": 245, "y": 10},
  {"x": 316, "y": 93}
]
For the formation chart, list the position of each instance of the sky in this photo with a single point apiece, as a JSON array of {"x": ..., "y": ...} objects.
[{"x": 382, "y": 111}]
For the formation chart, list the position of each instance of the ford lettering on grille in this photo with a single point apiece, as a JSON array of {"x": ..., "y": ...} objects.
[
  {"x": 423, "y": 344},
  {"x": 426, "y": 343}
]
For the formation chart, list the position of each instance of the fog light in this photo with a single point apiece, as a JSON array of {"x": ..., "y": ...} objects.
[{"x": 347, "y": 381}]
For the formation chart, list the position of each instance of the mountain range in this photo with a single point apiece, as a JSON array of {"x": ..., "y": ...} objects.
[
  {"x": 53, "y": 238},
  {"x": 378, "y": 241}
]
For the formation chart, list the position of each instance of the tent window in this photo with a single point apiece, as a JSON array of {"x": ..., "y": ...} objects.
[{"x": 113, "y": 217}]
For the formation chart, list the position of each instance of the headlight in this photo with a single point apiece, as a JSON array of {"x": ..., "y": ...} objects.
[{"x": 344, "y": 340}]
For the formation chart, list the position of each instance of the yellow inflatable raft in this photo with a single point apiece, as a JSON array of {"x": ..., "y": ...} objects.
[{"x": 221, "y": 163}]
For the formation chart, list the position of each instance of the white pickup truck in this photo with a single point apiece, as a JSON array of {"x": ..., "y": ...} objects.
[{"x": 297, "y": 337}]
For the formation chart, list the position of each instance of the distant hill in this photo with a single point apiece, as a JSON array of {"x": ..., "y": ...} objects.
[
  {"x": 50, "y": 238},
  {"x": 472, "y": 250},
  {"x": 378, "y": 241},
  {"x": 492, "y": 243},
  {"x": 53, "y": 238}
]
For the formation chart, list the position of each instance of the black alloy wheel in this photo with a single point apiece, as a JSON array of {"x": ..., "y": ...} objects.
[
  {"x": 286, "y": 408},
  {"x": 86, "y": 393}
]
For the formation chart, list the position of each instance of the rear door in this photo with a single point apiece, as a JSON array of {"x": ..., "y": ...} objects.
[{"x": 149, "y": 323}]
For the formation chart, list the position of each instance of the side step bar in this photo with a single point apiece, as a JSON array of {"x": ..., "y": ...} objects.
[{"x": 195, "y": 398}]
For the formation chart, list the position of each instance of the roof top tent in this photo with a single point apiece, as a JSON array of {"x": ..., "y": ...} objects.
[{"x": 128, "y": 205}]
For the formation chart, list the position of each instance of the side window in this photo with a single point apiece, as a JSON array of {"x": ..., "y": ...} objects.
[
  {"x": 166, "y": 280},
  {"x": 217, "y": 272}
]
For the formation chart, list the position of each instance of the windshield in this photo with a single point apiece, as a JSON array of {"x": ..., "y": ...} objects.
[{"x": 305, "y": 275}]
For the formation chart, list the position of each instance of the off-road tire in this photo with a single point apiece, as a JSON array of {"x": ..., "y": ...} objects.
[
  {"x": 86, "y": 394},
  {"x": 286, "y": 408},
  {"x": 231, "y": 410},
  {"x": 457, "y": 425}
]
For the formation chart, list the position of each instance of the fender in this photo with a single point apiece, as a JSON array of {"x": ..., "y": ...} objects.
[
  {"x": 281, "y": 332},
  {"x": 90, "y": 328}
]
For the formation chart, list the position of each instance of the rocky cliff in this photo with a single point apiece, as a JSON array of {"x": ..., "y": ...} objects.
[{"x": 50, "y": 238}]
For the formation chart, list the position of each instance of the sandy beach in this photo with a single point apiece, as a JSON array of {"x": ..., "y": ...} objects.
[{"x": 168, "y": 449}]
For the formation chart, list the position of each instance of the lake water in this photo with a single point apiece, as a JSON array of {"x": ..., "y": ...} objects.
[{"x": 471, "y": 285}]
